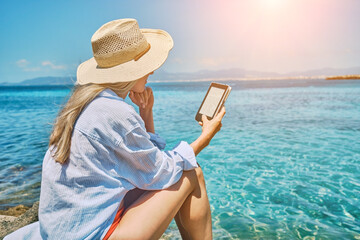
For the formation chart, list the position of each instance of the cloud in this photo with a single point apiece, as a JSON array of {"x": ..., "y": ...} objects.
[
  {"x": 25, "y": 66},
  {"x": 22, "y": 63},
  {"x": 52, "y": 65}
]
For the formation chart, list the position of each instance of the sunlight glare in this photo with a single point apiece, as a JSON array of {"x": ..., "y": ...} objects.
[{"x": 273, "y": 4}]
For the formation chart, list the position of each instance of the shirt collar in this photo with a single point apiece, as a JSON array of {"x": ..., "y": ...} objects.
[{"x": 109, "y": 93}]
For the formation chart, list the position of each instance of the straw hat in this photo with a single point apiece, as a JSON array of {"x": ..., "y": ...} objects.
[{"x": 123, "y": 52}]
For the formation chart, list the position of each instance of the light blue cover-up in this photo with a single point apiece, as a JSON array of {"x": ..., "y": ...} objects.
[{"x": 111, "y": 154}]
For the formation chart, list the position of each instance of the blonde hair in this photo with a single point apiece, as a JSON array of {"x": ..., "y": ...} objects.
[{"x": 80, "y": 97}]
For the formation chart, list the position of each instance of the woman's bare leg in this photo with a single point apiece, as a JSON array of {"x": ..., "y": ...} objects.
[
  {"x": 194, "y": 215},
  {"x": 150, "y": 215}
]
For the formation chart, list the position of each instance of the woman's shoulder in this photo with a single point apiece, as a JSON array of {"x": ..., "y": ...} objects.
[
  {"x": 108, "y": 112},
  {"x": 109, "y": 101},
  {"x": 109, "y": 105}
]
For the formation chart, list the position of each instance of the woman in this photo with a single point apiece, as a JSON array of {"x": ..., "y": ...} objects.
[{"x": 105, "y": 174}]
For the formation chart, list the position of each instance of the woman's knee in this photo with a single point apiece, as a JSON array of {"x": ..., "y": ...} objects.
[
  {"x": 200, "y": 174},
  {"x": 195, "y": 176}
]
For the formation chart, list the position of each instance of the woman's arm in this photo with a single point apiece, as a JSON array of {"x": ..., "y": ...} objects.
[
  {"x": 147, "y": 116},
  {"x": 209, "y": 129},
  {"x": 145, "y": 101}
]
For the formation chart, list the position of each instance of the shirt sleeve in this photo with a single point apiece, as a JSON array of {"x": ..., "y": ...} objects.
[
  {"x": 147, "y": 167},
  {"x": 157, "y": 140}
]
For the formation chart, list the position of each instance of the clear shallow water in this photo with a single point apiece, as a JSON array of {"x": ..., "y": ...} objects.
[{"x": 285, "y": 165}]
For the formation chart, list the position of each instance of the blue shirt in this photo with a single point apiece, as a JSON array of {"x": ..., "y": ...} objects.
[{"x": 111, "y": 153}]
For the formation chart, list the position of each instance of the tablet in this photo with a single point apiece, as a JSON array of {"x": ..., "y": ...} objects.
[{"x": 213, "y": 101}]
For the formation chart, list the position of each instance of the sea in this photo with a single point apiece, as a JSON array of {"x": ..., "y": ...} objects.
[{"x": 285, "y": 165}]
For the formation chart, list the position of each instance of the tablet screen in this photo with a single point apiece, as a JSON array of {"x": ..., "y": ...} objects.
[{"x": 212, "y": 101}]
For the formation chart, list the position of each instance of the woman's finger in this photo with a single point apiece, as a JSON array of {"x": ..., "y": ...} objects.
[
  {"x": 138, "y": 98},
  {"x": 132, "y": 97},
  {"x": 221, "y": 114},
  {"x": 204, "y": 118},
  {"x": 141, "y": 97},
  {"x": 146, "y": 97}
]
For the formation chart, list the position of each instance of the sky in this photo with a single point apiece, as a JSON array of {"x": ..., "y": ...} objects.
[{"x": 50, "y": 38}]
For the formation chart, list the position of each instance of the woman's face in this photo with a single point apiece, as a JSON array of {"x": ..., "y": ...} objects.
[{"x": 140, "y": 84}]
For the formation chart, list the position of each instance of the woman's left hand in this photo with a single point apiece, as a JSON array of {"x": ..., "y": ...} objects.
[{"x": 144, "y": 100}]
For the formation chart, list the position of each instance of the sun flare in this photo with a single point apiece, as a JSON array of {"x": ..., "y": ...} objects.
[{"x": 273, "y": 4}]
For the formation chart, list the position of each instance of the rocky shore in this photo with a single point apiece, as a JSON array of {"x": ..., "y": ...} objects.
[{"x": 17, "y": 217}]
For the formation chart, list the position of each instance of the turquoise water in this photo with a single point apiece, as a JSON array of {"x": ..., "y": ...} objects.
[{"x": 286, "y": 164}]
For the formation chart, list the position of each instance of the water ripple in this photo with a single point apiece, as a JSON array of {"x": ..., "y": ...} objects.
[{"x": 286, "y": 164}]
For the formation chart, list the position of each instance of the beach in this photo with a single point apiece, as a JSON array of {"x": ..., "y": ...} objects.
[{"x": 286, "y": 164}]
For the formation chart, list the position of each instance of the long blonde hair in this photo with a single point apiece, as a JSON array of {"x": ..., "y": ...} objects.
[{"x": 80, "y": 97}]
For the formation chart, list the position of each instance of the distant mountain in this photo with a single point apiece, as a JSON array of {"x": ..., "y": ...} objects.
[
  {"x": 238, "y": 73},
  {"x": 205, "y": 74},
  {"x": 44, "y": 81},
  {"x": 233, "y": 73}
]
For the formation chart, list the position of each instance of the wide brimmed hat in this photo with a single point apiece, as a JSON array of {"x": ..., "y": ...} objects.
[{"x": 123, "y": 53}]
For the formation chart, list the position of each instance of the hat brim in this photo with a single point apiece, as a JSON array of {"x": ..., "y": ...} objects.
[{"x": 161, "y": 43}]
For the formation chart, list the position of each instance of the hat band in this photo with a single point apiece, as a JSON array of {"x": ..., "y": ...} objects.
[
  {"x": 118, "y": 58},
  {"x": 137, "y": 57}
]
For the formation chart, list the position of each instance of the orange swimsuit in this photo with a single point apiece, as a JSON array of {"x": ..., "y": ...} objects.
[{"x": 115, "y": 223}]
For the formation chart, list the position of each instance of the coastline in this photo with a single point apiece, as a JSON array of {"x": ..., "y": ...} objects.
[
  {"x": 344, "y": 77},
  {"x": 49, "y": 81},
  {"x": 249, "y": 78}
]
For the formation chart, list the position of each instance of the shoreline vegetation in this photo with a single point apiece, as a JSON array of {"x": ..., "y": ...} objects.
[{"x": 344, "y": 77}]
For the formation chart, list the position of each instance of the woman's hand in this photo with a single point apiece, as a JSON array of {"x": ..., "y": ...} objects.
[
  {"x": 144, "y": 100},
  {"x": 209, "y": 129}
]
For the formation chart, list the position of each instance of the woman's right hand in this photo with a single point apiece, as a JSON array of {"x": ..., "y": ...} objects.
[{"x": 211, "y": 127}]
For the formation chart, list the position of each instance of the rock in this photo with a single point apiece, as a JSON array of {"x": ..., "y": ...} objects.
[
  {"x": 7, "y": 218},
  {"x": 9, "y": 224},
  {"x": 15, "y": 211}
]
